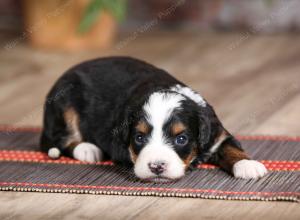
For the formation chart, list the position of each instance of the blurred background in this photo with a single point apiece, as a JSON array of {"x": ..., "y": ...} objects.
[{"x": 242, "y": 56}]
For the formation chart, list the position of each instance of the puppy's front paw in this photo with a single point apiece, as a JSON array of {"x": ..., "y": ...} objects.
[
  {"x": 249, "y": 169},
  {"x": 87, "y": 152}
]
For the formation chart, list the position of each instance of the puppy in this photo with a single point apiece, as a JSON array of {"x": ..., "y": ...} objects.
[{"x": 131, "y": 112}]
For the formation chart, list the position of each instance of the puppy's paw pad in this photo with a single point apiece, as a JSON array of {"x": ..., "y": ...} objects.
[
  {"x": 249, "y": 169},
  {"x": 87, "y": 152}
]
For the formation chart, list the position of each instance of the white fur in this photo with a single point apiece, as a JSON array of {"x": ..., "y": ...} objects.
[
  {"x": 54, "y": 153},
  {"x": 174, "y": 165},
  {"x": 160, "y": 106},
  {"x": 196, "y": 97},
  {"x": 158, "y": 109},
  {"x": 87, "y": 152},
  {"x": 216, "y": 146},
  {"x": 249, "y": 169}
]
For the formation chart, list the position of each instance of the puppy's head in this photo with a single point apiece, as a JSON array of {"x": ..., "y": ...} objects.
[{"x": 165, "y": 136}]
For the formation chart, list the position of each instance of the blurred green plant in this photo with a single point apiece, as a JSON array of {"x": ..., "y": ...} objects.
[
  {"x": 269, "y": 2},
  {"x": 116, "y": 7}
]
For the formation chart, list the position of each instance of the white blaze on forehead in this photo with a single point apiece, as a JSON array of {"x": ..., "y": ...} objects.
[
  {"x": 196, "y": 97},
  {"x": 160, "y": 107}
]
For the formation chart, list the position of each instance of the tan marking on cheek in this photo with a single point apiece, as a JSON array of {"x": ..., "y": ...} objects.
[
  {"x": 190, "y": 157},
  {"x": 142, "y": 127},
  {"x": 177, "y": 128},
  {"x": 133, "y": 156},
  {"x": 72, "y": 121}
]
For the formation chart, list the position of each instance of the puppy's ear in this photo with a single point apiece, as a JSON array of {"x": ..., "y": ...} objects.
[
  {"x": 121, "y": 139},
  {"x": 204, "y": 127},
  {"x": 210, "y": 129},
  {"x": 203, "y": 139},
  {"x": 121, "y": 133}
]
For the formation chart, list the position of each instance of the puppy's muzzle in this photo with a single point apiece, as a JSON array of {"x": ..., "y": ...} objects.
[{"x": 157, "y": 167}]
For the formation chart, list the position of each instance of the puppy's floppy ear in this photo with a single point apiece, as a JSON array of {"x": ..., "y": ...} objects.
[
  {"x": 203, "y": 139},
  {"x": 121, "y": 132},
  {"x": 121, "y": 138},
  {"x": 204, "y": 126},
  {"x": 209, "y": 128}
]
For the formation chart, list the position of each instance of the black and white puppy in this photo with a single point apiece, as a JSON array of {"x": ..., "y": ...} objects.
[{"x": 131, "y": 112}]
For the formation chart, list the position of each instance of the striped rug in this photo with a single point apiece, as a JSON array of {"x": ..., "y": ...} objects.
[{"x": 24, "y": 168}]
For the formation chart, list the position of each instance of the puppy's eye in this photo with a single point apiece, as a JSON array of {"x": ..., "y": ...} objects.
[
  {"x": 181, "y": 140},
  {"x": 140, "y": 139}
]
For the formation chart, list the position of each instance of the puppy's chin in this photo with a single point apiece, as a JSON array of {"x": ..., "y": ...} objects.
[{"x": 159, "y": 179}]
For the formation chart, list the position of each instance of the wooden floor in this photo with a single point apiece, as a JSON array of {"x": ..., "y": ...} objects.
[{"x": 252, "y": 82}]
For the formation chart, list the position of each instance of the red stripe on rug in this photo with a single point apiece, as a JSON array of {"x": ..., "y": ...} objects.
[
  {"x": 47, "y": 185},
  {"x": 39, "y": 157}
]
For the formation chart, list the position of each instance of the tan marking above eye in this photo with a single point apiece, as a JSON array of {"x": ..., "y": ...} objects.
[
  {"x": 177, "y": 128},
  {"x": 142, "y": 127}
]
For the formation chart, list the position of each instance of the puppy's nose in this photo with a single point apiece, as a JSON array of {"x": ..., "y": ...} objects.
[{"x": 157, "y": 167}]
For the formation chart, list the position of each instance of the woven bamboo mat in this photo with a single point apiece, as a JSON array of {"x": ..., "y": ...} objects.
[{"x": 24, "y": 168}]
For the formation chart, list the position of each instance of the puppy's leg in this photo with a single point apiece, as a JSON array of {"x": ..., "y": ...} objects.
[
  {"x": 233, "y": 159},
  {"x": 54, "y": 134},
  {"x": 64, "y": 137}
]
